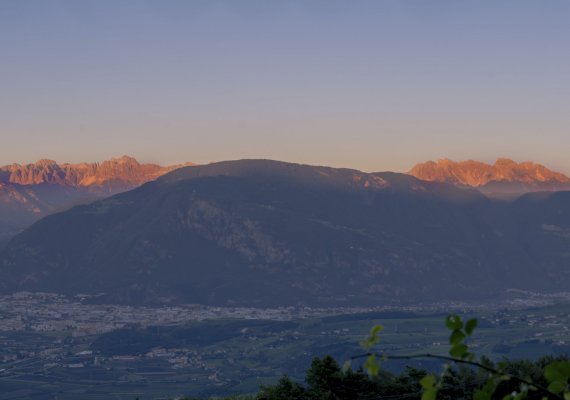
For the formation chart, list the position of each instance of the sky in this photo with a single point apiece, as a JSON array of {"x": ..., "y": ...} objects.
[{"x": 373, "y": 85}]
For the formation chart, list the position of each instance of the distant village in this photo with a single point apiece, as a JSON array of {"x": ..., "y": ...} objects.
[
  {"x": 45, "y": 336},
  {"x": 48, "y": 312}
]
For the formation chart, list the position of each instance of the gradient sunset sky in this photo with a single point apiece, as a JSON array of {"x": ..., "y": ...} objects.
[{"x": 373, "y": 85}]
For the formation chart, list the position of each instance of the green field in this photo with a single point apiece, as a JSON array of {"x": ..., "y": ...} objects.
[{"x": 219, "y": 357}]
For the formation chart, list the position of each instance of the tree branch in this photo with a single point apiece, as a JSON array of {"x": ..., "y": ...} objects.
[{"x": 459, "y": 361}]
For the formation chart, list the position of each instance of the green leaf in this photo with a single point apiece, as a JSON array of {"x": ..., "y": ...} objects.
[
  {"x": 376, "y": 329},
  {"x": 453, "y": 322},
  {"x": 557, "y": 371},
  {"x": 456, "y": 337},
  {"x": 470, "y": 326},
  {"x": 372, "y": 366},
  {"x": 567, "y": 396},
  {"x": 428, "y": 382},
  {"x": 557, "y": 386},
  {"x": 430, "y": 394},
  {"x": 459, "y": 351},
  {"x": 372, "y": 338}
]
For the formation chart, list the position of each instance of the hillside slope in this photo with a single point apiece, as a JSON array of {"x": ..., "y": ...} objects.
[
  {"x": 259, "y": 232},
  {"x": 31, "y": 191}
]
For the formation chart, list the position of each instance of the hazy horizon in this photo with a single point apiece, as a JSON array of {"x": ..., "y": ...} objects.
[
  {"x": 366, "y": 85},
  {"x": 143, "y": 161}
]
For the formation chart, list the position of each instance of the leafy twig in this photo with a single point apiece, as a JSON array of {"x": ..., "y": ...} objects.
[{"x": 458, "y": 361}]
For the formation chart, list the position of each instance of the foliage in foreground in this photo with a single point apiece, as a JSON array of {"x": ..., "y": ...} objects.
[
  {"x": 463, "y": 376},
  {"x": 326, "y": 380}
]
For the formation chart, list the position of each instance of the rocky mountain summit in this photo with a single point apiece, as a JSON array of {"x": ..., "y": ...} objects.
[
  {"x": 31, "y": 191},
  {"x": 505, "y": 176},
  {"x": 112, "y": 175},
  {"x": 267, "y": 233}
]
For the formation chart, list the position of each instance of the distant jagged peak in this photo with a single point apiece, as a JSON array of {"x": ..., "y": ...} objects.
[
  {"x": 124, "y": 160},
  {"x": 503, "y": 162},
  {"x": 476, "y": 173},
  {"x": 45, "y": 162},
  {"x": 123, "y": 173}
]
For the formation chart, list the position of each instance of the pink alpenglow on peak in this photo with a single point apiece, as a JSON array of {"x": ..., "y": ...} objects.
[
  {"x": 121, "y": 173},
  {"x": 504, "y": 177},
  {"x": 476, "y": 173}
]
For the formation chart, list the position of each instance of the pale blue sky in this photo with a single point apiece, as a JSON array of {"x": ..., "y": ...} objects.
[{"x": 373, "y": 85}]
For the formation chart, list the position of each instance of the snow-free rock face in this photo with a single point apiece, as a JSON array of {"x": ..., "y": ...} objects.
[
  {"x": 255, "y": 232},
  {"x": 504, "y": 176},
  {"x": 264, "y": 233},
  {"x": 31, "y": 191},
  {"x": 125, "y": 171}
]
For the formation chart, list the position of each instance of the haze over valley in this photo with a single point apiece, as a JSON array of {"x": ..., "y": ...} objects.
[{"x": 284, "y": 200}]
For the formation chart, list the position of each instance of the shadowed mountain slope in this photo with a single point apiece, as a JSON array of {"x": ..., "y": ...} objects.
[
  {"x": 260, "y": 232},
  {"x": 31, "y": 191}
]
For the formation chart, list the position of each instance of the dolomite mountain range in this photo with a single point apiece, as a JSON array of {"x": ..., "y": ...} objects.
[{"x": 29, "y": 192}]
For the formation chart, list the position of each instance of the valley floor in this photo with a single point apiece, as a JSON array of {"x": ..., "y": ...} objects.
[{"x": 52, "y": 347}]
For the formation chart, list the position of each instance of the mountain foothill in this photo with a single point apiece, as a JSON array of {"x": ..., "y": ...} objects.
[{"x": 269, "y": 233}]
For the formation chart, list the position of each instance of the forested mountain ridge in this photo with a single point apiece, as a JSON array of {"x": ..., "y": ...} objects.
[{"x": 261, "y": 232}]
